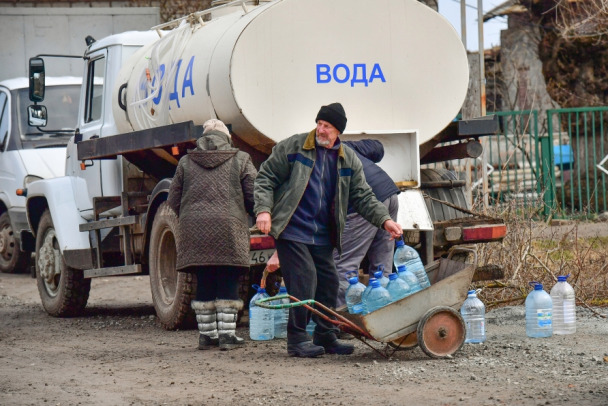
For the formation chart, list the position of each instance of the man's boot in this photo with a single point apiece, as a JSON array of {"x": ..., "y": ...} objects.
[
  {"x": 207, "y": 325},
  {"x": 227, "y": 311}
]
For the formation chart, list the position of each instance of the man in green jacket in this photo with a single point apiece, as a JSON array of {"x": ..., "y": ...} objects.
[{"x": 302, "y": 193}]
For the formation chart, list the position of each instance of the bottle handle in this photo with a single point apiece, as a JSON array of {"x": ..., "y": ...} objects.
[{"x": 349, "y": 273}]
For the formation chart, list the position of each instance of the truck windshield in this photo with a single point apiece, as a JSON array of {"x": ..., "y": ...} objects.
[{"x": 62, "y": 106}]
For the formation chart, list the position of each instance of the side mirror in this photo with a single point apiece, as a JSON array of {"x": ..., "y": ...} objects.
[
  {"x": 36, "y": 79},
  {"x": 37, "y": 116}
]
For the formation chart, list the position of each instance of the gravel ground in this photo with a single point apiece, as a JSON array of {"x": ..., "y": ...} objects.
[{"x": 116, "y": 354}]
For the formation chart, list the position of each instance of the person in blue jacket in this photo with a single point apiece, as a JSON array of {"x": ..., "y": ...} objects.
[{"x": 360, "y": 237}]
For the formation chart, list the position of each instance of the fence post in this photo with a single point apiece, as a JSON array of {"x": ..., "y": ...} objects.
[{"x": 547, "y": 175}]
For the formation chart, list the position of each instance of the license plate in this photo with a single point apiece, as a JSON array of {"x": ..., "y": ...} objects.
[{"x": 260, "y": 257}]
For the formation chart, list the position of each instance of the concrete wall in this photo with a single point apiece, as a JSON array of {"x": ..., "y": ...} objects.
[{"x": 29, "y": 31}]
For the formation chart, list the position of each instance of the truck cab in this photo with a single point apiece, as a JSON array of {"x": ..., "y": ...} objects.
[{"x": 29, "y": 153}]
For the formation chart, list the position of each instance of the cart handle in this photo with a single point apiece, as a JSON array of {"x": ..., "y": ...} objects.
[{"x": 339, "y": 321}]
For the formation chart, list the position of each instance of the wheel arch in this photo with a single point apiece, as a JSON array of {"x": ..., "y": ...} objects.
[
  {"x": 34, "y": 208},
  {"x": 158, "y": 196}
]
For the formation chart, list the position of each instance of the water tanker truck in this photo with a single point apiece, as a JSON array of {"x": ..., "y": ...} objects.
[{"x": 264, "y": 68}]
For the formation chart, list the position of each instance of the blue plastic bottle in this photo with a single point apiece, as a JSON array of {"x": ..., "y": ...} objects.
[
  {"x": 261, "y": 320},
  {"x": 397, "y": 287},
  {"x": 377, "y": 297},
  {"x": 406, "y": 255},
  {"x": 409, "y": 278},
  {"x": 539, "y": 309},
  {"x": 473, "y": 312},
  {"x": 354, "y": 293},
  {"x": 281, "y": 316}
]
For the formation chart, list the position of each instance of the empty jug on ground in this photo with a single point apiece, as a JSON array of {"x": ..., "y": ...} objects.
[
  {"x": 473, "y": 312},
  {"x": 564, "y": 307}
]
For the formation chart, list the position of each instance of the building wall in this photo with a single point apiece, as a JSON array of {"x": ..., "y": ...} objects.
[{"x": 29, "y": 31}]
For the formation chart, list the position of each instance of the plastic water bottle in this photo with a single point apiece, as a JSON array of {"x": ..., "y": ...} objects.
[
  {"x": 473, "y": 312},
  {"x": 397, "y": 287},
  {"x": 564, "y": 308},
  {"x": 539, "y": 307},
  {"x": 281, "y": 316},
  {"x": 409, "y": 278},
  {"x": 377, "y": 297},
  {"x": 379, "y": 274},
  {"x": 368, "y": 288},
  {"x": 354, "y": 294},
  {"x": 261, "y": 320},
  {"x": 406, "y": 255},
  {"x": 310, "y": 327}
]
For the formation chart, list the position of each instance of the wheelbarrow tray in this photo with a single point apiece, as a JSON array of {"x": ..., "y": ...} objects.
[{"x": 450, "y": 281}]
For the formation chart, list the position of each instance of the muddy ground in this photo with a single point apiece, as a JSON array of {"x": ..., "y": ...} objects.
[{"x": 117, "y": 354}]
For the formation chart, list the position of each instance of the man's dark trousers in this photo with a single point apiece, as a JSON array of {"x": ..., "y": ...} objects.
[{"x": 303, "y": 266}]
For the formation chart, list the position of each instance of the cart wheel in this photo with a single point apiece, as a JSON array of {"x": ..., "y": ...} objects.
[
  {"x": 441, "y": 332},
  {"x": 408, "y": 342}
]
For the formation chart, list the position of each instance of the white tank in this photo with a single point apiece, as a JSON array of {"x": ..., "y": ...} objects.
[{"x": 395, "y": 65}]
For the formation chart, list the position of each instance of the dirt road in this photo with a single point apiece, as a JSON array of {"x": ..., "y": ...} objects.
[{"x": 117, "y": 355}]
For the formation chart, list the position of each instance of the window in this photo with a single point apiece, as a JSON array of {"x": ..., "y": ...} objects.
[{"x": 93, "y": 108}]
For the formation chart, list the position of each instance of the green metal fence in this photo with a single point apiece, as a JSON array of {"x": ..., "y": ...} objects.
[
  {"x": 550, "y": 175},
  {"x": 578, "y": 185}
]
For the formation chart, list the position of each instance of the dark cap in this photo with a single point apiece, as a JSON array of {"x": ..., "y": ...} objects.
[{"x": 333, "y": 114}]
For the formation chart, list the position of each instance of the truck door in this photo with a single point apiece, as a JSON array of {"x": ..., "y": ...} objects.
[
  {"x": 11, "y": 167},
  {"x": 91, "y": 123}
]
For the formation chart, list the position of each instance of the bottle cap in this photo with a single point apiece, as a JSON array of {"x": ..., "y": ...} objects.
[
  {"x": 562, "y": 278},
  {"x": 538, "y": 286},
  {"x": 401, "y": 268},
  {"x": 354, "y": 280},
  {"x": 393, "y": 276},
  {"x": 472, "y": 293},
  {"x": 378, "y": 274},
  {"x": 283, "y": 289},
  {"x": 375, "y": 283}
]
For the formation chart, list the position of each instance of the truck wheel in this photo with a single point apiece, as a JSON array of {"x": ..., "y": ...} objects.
[
  {"x": 63, "y": 290},
  {"x": 172, "y": 291},
  {"x": 11, "y": 258}
]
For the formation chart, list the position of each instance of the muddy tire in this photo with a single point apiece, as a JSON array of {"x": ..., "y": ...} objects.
[
  {"x": 12, "y": 260},
  {"x": 63, "y": 290},
  {"x": 172, "y": 291}
]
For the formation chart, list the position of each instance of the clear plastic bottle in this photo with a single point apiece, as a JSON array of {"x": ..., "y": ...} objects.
[
  {"x": 281, "y": 316},
  {"x": 406, "y": 255},
  {"x": 261, "y": 320},
  {"x": 397, "y": 287},
  {"x": 354, "y": 293},
  {"x": 409, "y": 278},
  {"x": 564, "y": 307},
  {"x": 377, "y": 297},
  {"x": 539, "y": 307},
  {"x": 365, "y": 293},
  {"x": 379, "y": 274},
  {"x": 310, "y": 327},
  {"x": 473, "y": 312}
]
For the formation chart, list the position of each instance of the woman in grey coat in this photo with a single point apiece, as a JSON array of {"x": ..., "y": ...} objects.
[{"x": 211, "y": 193}]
